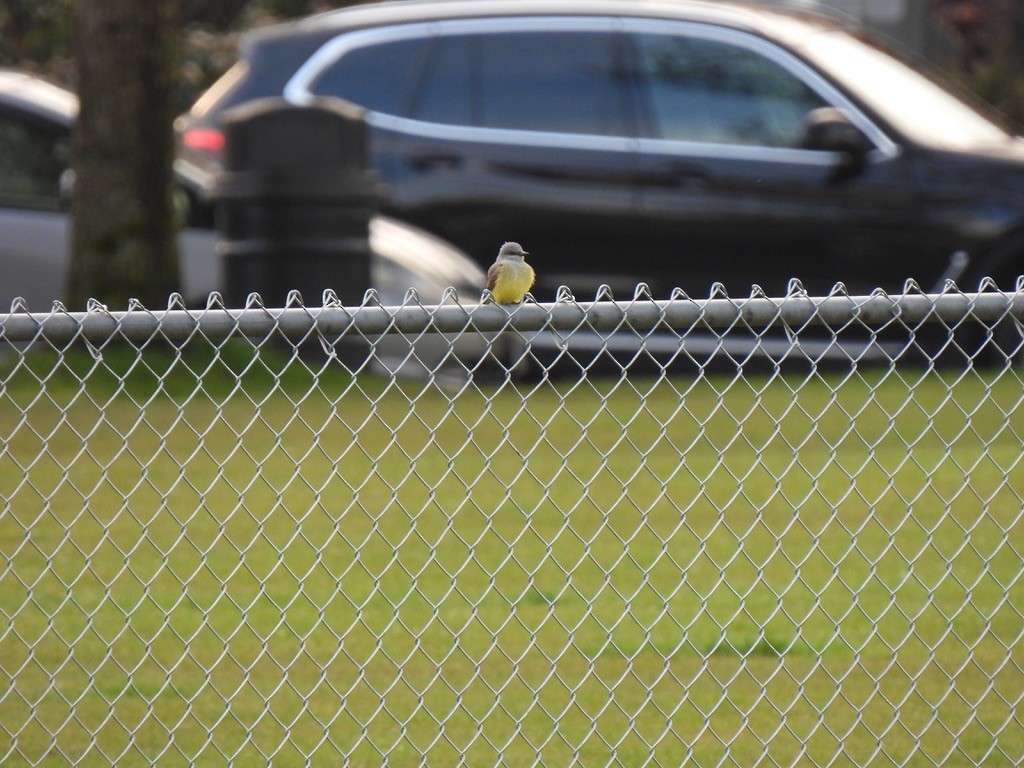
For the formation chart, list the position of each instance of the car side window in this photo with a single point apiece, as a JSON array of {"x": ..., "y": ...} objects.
[
  {"x": 446, "y": 92},
  {"x": 529, "y": 81},
  {"x": 704, "y": 90},
  {"x": 552, "y": 81},
  {"x": 31, "y": 163},
  {"x": 379, "y": 77}
]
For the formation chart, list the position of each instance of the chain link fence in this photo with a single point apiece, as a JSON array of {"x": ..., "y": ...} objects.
[{"x": 761, "y": 531}]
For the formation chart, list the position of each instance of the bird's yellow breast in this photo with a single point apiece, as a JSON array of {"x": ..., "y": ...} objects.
[{"x": 512, "y": 282}]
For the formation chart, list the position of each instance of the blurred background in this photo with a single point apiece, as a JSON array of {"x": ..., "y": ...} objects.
[
  {"x": 979, "y": 43},
  {"x": 109, "y": 197}
]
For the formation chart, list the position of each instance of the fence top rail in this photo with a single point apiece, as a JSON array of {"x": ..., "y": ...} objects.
[{"x": 641, "y": 313}]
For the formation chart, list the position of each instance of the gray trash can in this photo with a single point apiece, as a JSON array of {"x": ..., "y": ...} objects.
[{"x": 294, "y": 202}]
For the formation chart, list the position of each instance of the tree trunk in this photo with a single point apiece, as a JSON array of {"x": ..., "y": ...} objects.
[{"x": 124, "y": 242}]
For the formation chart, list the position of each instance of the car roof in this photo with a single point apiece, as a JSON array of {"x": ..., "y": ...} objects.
[
  {"x": 38, "y": 96},
  {"x": 777, "y": 20}
]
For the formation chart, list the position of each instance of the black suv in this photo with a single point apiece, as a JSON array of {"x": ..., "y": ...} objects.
[{"x": 674, "y": 143}]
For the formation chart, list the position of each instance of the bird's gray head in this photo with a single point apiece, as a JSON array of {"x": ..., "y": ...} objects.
[{"x": 512, "y": 251}]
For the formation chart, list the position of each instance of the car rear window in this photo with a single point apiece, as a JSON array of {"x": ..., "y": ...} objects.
[
  {"x": 446, "y": 94},
  {"x": 378, "y": 77},
  {"x": 535, "y": 81},
  {"x": 552, "y": 81}
]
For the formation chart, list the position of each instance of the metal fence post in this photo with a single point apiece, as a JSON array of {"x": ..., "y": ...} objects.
[{"x": 294, "y": 201}]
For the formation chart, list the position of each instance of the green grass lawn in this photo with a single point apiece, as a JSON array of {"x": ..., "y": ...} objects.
[{"x": 703, "y": 568}]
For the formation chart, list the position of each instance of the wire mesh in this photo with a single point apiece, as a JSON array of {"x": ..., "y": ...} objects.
[{"x": 761, "y": 531}]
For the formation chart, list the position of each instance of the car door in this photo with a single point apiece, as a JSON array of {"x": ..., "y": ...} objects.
[
  {"x": 514, "y": 129},
  {"x": 729, "y": 193},
  {"x": 34, "y": 153}
]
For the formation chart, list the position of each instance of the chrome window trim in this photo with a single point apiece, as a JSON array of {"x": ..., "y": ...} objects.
[
  {"x": 467, "y": 133},
  {"x": 706, "y": 149},
  {"x": 297, "y": 89}
]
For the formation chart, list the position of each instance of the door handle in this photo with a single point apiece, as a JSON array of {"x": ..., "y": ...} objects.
[
  {"x": 433, "y": 160},
  {"x": 680, "y": 175}
]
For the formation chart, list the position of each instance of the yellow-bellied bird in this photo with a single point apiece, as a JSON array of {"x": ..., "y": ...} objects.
[{"x": 510, "y": 277}]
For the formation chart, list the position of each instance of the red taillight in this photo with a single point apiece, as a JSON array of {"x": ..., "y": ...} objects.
[{"x": 203, "y": 139}]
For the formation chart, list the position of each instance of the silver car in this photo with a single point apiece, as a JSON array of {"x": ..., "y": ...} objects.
[{"x": 36, "y": 120}]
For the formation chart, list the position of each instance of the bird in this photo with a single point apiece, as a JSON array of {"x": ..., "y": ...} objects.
[{"x": 510, "y": 277}]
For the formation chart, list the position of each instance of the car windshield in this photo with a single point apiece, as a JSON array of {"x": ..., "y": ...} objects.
[{"x": 914, "y": 104}]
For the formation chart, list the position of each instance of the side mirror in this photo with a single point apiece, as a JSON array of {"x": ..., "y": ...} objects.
[{"x": 828, "y": 129}]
